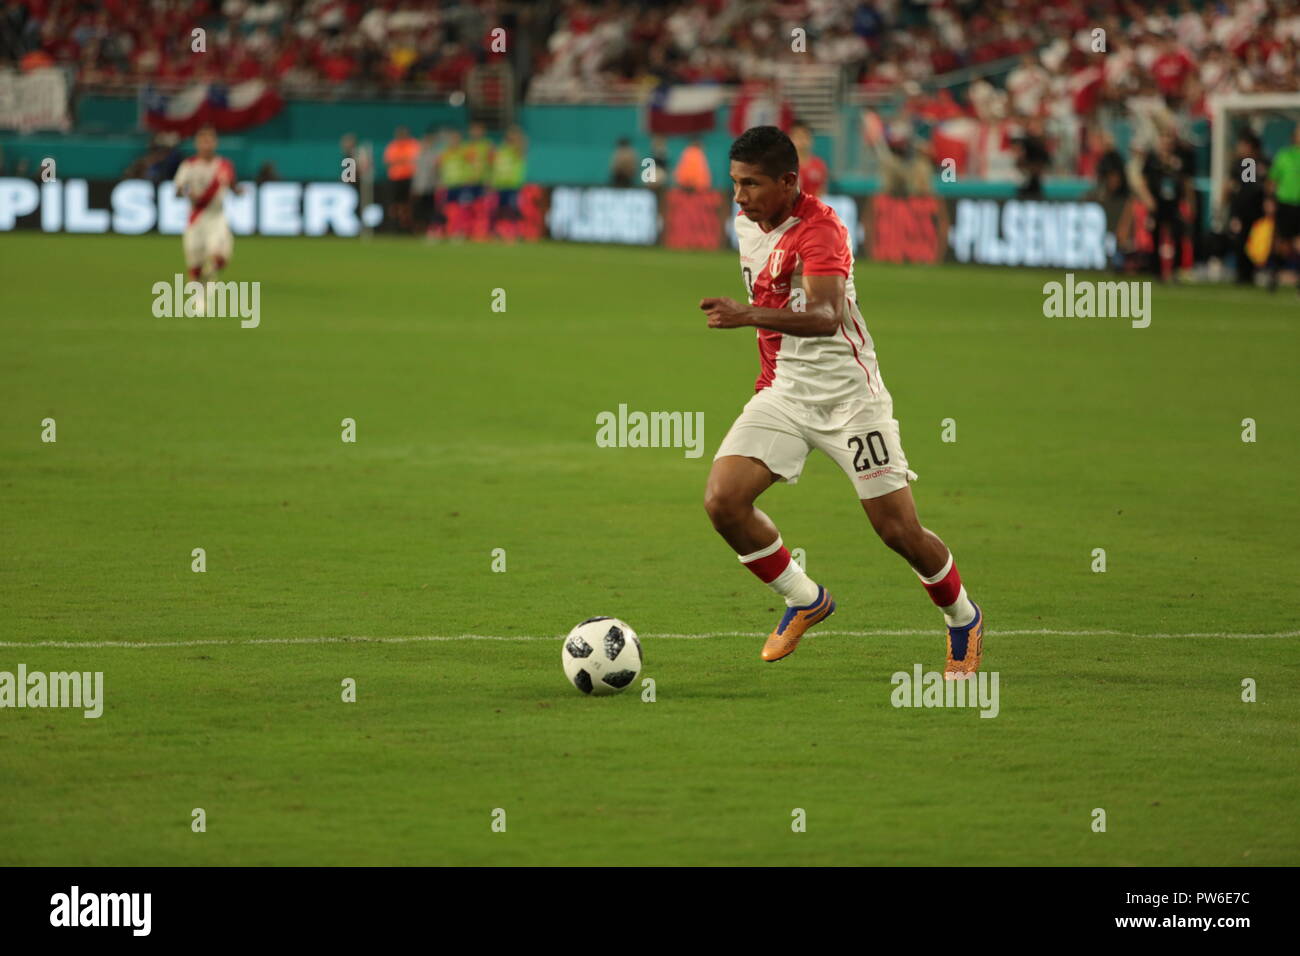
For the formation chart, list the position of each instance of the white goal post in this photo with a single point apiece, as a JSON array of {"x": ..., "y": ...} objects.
[{"x": 365, "y": 185}]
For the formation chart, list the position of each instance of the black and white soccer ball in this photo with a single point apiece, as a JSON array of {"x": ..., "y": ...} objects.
[{"x": 601, "y": 656}]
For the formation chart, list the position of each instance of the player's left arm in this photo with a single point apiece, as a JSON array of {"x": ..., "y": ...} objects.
[{"x": 819, "y": 313}]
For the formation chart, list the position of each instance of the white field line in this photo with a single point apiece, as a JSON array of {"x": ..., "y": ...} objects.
[{"x": 928, "y": 632}]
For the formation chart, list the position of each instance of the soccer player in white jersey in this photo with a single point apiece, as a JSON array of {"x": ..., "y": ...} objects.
[
  {"x": 204, "y": 179},
  {"x": 819, "y": 386}
]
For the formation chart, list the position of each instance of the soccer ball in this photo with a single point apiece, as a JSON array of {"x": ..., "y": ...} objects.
[{"x": 601, "y": 656}]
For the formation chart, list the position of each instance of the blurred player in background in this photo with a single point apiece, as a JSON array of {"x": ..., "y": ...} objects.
[
  {"x": 819, "y": 386},
  {"x": 1284, "y": 188},
  {"x": 476, "y": 154},
  {"x": 203, "y": 179},
  {"x": 509, "y": 168},
  {"x": 452, "y": 175},
  {"x": 813, "y": 174}
]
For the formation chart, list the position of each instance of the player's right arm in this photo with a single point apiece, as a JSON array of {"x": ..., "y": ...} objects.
[{"x": 818, "y": 308}]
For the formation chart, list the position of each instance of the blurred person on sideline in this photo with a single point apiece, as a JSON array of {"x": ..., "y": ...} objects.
[
  {"x": 424, "y": 183},
  {"x": 1284, "y": 189},
  {"x": 399, "y": 158},
  {"x": 509, "y": 169},
  {"x": 476, "y": 154},
  {"x": 1032, "y": 159},
  {"x": 624, "y": 165},
  {"x": 1243, "y": 206},
  {"x": 453, "y": 175},
  {"x": 692, "y": 170},
  {"x": 1161, "y": 179}
]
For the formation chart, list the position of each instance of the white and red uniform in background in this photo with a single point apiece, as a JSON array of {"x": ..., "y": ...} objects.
[
  {"x": 821, "y": 391},
  {"x": 207, "y": 237},
  {"x": 813, "y": 175}
]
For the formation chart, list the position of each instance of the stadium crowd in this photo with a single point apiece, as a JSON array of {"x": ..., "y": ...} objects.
[
  {"x": 577, "y": 48},
  {"x": 1183, "y": 50},
  {"x": 298, "y": 44}
]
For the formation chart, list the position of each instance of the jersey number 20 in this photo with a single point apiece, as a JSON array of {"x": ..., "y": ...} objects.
[{"x": 868, "y": 446}]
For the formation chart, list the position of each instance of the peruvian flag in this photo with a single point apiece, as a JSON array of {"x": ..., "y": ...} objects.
[
  {"x": 957, "y": 139},
  {"x": 227, "y": 108},
  {"x": 678, "y": 109},
  {"x": 985, "y": 149}
]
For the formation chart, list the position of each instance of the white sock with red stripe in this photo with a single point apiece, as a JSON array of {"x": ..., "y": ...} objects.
[
  {"x": 775, "y": 568},
  {"x": 947, "y": 592}
]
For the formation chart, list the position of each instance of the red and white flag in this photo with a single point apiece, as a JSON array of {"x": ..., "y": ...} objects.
[
  {"x": 676, "y": 110},
  {"x": 227, "y": 108}
]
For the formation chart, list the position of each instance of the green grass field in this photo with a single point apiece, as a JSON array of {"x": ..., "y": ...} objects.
[{"x": 476, "y": 431}]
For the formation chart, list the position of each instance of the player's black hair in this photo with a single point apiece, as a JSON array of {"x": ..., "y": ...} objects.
[{"x": 767, "y": 148}]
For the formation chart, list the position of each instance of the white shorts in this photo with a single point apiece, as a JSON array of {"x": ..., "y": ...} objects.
[
  {"x": 208, "y": 238},
  {"x": 861, "y": 437}
]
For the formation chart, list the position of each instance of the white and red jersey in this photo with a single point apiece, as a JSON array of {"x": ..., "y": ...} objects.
[
  {"x": 822, "y": 369},
  {"x": 204, "y": 182}
]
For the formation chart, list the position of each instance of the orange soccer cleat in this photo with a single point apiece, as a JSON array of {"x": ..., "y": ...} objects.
[
  {"x": 965, "y": 648},
  {"x": 794, "y": 622}
]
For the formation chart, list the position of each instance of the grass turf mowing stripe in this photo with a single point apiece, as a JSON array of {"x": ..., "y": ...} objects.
[{"x": 1033, "y": 632}]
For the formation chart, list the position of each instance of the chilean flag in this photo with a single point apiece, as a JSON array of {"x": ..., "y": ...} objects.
[
  {"x": 227, "y": 108},
  {"x": 677, "y": 109}
]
